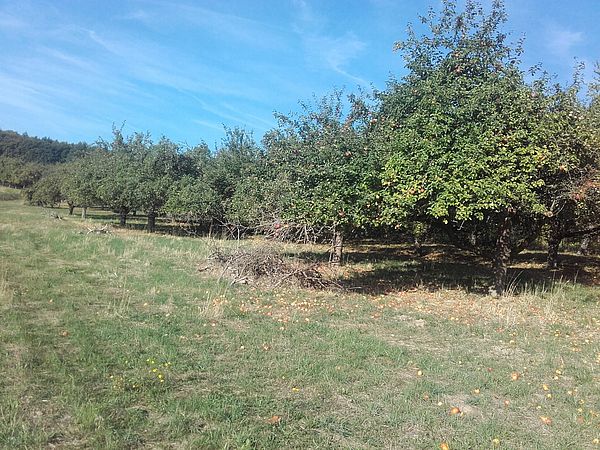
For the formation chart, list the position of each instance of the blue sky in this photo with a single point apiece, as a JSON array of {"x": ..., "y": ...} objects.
[{"x": 69, "y": 69}]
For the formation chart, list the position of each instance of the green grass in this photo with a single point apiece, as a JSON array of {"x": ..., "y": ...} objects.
[{"x": 86, "y": 318}]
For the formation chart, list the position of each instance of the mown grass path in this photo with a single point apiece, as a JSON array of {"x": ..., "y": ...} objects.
[{"x": 116, "y": 341}]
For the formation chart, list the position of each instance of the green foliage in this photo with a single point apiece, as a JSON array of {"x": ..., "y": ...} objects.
[
  {"x": 47, "y": 190},
  {"x": 17, "y": 173},
  {"x": 472, "y": 146},
  {"x": 572, "y": 193},
  {"x": 226, "y": 174},
  {"x": 195, "y": 162},
  {"x": 193, "y": 200},
  {"x": 120, "y": 174},
  {"x": 463, "y": 126},
  {"x": 82, "y": 179},
  {"x": 325, "y": 158},
  {"x": 234, "y": 160},
  {"x": 159, "y": 167},
  {"x": 261, "y": 200}
]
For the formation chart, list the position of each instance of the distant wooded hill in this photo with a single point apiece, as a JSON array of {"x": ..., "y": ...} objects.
[{"x": 40, "y": 150}]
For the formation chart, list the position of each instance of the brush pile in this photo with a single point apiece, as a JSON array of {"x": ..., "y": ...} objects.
[{"x": 264, "y": 265}]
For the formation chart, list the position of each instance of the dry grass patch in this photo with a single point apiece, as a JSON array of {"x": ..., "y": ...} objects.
[{"x": 508, "y": 311}]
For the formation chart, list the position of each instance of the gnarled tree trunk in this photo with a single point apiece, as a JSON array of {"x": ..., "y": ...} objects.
[
  {"x": 554, "y": 239},
  {"x": 337, "y": 246},
  {"x": 123, "y": 217},
  {"x": 151, "y": 221},
  {"x": 417, "y": 245},
  {"x": 502, "y": 256},
  {"x": 71, "y": 208}
]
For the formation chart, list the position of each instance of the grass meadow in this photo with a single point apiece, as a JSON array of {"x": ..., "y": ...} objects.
[{"x": 117, "y": 341}]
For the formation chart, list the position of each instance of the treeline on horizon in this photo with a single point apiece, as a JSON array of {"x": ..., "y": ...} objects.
[
  {"x": 38, "y": 150},
  {"x": 24, "y": 159},
  {"x": 464, "y": 147}
]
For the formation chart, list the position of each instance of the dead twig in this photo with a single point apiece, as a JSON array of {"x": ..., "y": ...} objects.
[{"x": 99, "y": 230}]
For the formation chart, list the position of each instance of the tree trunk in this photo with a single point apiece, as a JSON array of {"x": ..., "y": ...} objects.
[
  {"x": 418, "y": 247},
  {"x": 151, "y": 221},
  {"x": 71, "y": 208},
  {"x": 335, "y": 256},
  {"x": 554, "y": 240},
  {"x": 502, "y": 256},
  {"x": 553, "y": 246},
  {"x": 84, "y": 212},
  {"x": 473, "y": 239},
  {"x": 122, "y": 217},
  {"x": 585, "y": 244}
]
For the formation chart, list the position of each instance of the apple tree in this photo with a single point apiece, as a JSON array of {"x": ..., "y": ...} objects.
[{"x": 463, "y": 132}]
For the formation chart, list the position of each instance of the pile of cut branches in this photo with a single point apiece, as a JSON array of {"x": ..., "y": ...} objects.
[
  {"x": 292, "y": 232},
  {"x": 265, "y": 265}
]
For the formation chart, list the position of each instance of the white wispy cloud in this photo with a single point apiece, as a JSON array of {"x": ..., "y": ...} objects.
[
  {"x": 10, "y": 22},
  {"x": 259, "y": 122},
  {"x": 102, "y": 73},
  {"x": 562, "y": 41},
  {"x": 323, "y": 49},
  {"x": 30, "y": 101},
  {"x": 208, "y": 124},
  {"x": 233, "y": 115},
  {"x": 149, "y": 62},
  {"x": 225, "y": 26},
  {"x": 69, "y": 59},
  {"x": 21, "y": 94},
  {"x": 306, "y": 16},
  {"x": 336, "y": 53}
]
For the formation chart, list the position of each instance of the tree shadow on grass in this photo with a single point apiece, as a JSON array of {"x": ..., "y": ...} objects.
[
  {"x": 381, "y": 269},
  {"x": 101, "y": 216},
  {"x": 438, "y": 267},
  {"x": 572, "y": 268},
  {"x": 139, "y": 223}
]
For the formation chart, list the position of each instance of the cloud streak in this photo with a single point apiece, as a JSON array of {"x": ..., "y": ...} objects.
[
  {"x": 336, "y": 53},
  {"x": 328, "y": 51},
  {"x": 561, "y": 41},
  {"x": 9, "y": 22},
  {"x": 157, "y": 15}
]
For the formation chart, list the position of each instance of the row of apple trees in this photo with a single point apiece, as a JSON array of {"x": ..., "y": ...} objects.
[{"x": 466, "y": 144}]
